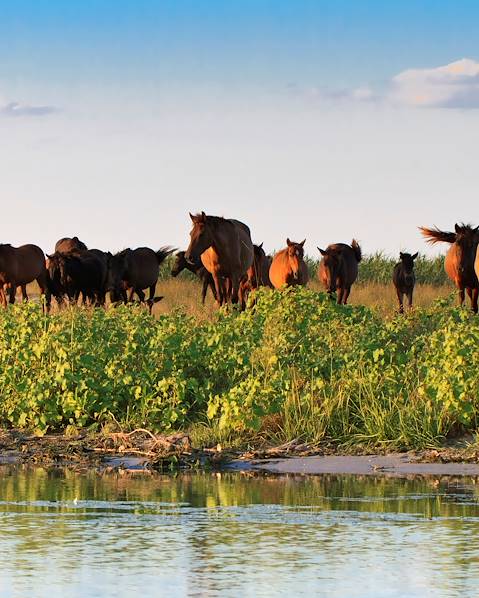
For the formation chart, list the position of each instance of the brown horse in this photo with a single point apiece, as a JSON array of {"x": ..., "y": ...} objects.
[
  {"x": 258, "y": 273},
  {"x": 404, "y": 278},
  {"x": 459, "y": 260},
  {"x": 69, "y": 245},
  {"x": 20, "y": 266},
  {"x": 338, "y": 268},
  {"x": 226, "y": 251},
  {"x": 288, "y": 266},
  {"x": 132, "y": 270}
]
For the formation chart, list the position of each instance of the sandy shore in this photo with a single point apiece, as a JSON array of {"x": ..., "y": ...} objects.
[{"x": 392, "y": 465}]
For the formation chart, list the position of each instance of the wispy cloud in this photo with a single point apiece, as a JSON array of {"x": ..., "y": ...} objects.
[
  {"x": 15, "y": 109},
  {"x": 454, "y": 85}
]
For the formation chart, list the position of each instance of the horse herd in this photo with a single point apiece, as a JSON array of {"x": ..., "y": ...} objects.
[{"x": 222, "y": 254}]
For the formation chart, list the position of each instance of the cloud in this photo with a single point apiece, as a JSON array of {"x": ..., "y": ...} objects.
[
  {"x": 358, "y": 94},
  {"x": 455, "y": 85},
  {"x": 15, "y": 109}
]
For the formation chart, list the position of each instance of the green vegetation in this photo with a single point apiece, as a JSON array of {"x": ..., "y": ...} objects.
[
  {"x": 295, "y": 365},
  {"x": 374, "y": 268},
  {"x": 378, "y": 268}
]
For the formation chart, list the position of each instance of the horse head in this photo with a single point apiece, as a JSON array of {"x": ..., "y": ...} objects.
[
  {"x": 201, "y": 237},
  {"x": 332, "y": 265},
  {"x": 295, "y": 252}
]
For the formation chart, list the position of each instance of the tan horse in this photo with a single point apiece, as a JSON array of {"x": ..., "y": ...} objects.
[
  {"x": 338, "y": 268},
  {"x": 459, "y": 261},
  {"x": 288, "y": 266},
  {"x": 18, "y": 267},
  {"x": 226, "y": 251}
]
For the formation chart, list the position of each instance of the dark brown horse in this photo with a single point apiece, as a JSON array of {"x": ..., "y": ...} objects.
[
  {"x": 288, "y": 267},
  {"x": 226, "y": 251},
  {"x": 181, "y": 264},
  {"x": 133, "y": 270},
  {"x": 459, "y": 261},
  {"x": 338, "y": 268},
  {"x": 69, "y": 244},
  {"x": 20, "y": 266},
  {"x": 404, "y": 278},
  {"x": 78, "y": 273},
  {"x": 258, "y": 273}
]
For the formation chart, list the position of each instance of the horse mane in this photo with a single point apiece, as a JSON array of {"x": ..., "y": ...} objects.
[{"x": 434, "y": 235}]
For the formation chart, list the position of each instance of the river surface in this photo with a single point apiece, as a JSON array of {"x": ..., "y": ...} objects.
[{"x": 65, "y": 535}]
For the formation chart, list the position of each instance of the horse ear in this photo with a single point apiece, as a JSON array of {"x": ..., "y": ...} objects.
[
  {"x": 401, "y": 255},
  {"x": 288, "y": 242},
  {"x": 193, "y": 218},
  {"x": 457, "y": 228},
  {"x": 261, "y": 246},
  {"x": 303, "y": 242},
  {"x": 203, "y": 217},
  {"x": 321, "y": 251},
  {"x": 414, "y": 256}
]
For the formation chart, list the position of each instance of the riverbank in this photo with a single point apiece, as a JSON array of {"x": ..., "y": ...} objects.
[{"x": 145, "y": 451}]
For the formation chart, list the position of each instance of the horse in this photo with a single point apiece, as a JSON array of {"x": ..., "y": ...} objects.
[
  {"x": 338, "y": 268},
  {"x": 181, "y": 264},
  {"x": 258, "y": 273},
  {"x": 79, "y": 273},
  {"x": 20, "y": 266},
  {"x": 132, "y": 270},
  {"x": 226, "y": 251},
  {"x": 404, "y": 278},
  {"x": 69, "y": 245},
  {"x": 288, "y": 266},
  {"x": 460, "y": 258}
]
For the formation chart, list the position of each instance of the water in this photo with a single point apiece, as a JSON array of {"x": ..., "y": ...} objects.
[{"x": 67, "y": 535}]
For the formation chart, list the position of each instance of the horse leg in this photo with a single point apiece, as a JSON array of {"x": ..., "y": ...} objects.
[
  {"x": 141, "y": 295},
  {"x": 340, "y": 292},
  {"x": 475, "y": 295},
  {"x": 400, "y": 299},
  {"x": 472, "y": 294},
  {"x": 235, "y": 284},
  {"x": 11, "y": 293},
  {"x": 42, "y": 282},
  {"x": 24, "y": 292},
  {"x": 409, "y": 297},
  {"x": 461, "y": 297},
  {"x": 346, "y": 292},
  {"x": 219, "y": 289},
  {"x": 204, "y": 290}
]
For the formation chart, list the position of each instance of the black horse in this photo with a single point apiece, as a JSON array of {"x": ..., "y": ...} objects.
[
  {"x": 81, "y": 273},
  {"x": 404, "y": 278}
]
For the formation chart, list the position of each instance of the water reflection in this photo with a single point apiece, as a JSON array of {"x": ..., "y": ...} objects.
[{"x": 64, "y": 534}]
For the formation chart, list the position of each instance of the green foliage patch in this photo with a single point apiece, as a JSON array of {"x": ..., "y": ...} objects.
[{"x": 315, "y": 369}]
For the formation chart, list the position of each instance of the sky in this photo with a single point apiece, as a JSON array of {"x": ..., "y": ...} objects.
[{"x": 323, "y": 120}]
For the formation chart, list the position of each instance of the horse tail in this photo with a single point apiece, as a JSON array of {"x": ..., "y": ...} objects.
[
  {"x": 163, "y": 253},
  {"x": 434, "y": 235},
  {"x": 357, "y": 250}
]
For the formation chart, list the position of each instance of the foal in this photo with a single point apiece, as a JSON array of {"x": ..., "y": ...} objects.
[{"x": 404, "y": 278}]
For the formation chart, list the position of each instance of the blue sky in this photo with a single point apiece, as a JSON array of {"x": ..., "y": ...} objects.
[{"x": 323, "y": 120}]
